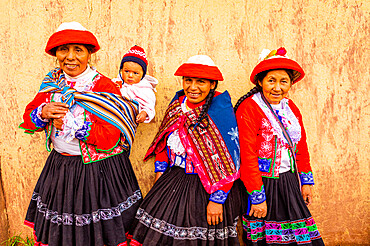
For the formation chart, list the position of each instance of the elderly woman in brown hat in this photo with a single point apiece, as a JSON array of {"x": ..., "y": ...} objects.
[
  {"x": 87, "y": 193},
  {"x": 194, "y": 200},
  {"x": 275, "y": 164}
]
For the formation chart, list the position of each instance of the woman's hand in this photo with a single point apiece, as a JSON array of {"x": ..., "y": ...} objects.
[
  {"x": 307, "y": 194},
  {"x": 157, "y": 176},
  {"x": 54, "y": 110},
  {"x": 214, "y": 213},
  {"x": 258, "y": 210}
]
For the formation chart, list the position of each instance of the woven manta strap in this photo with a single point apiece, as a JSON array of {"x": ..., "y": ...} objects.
[{"x": 112, "y": 108}]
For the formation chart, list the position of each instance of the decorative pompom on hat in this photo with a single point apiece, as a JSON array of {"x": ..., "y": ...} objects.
[
  {"x": 71, "y": 33},
  {"x": 200, "y": 66},
  {"x": 276, "y": 59},
  {"x": 136, "y": 54}
]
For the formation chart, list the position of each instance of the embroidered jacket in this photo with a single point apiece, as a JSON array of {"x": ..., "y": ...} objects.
[
  {"x": 212, "y": 153},
  {"x": 262, "y": 141},
  {"x": 98, "y": 139}
]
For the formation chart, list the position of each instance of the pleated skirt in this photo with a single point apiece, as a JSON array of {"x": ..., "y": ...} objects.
[
  {"x": 174, "y": 212},
  {"x": 288, "y": 220},
  {"x": 84, "y": 204}
]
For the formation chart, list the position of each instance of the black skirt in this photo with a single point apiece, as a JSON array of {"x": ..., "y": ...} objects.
[
  {"x": 288, "y": 220},
  {"x": 175, "y": 213},
  {"x": 84, "y": 204}
]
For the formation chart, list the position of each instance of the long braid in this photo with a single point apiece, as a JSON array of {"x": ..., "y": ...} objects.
[
  {"x": 206, "y": 106},
  {"x": 253, "y": 91}
]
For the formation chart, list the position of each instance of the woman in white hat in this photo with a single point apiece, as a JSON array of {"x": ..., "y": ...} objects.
[
  {"x": 87, "y": 193},
  {"x": 275, "y": 164},
  {"x": 194, "y": 200}
]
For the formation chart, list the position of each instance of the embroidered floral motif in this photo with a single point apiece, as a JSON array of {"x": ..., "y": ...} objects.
[
  {"x": 265, "y": 149},
  {"x": 85, "y": 219},
  {"x": 219, "y": 196},
  {"x": 83, "y": 132},
  {"x": 36, "y": 117},
  {"x": 306, "y": 178},
  {"x": 299, "y": 231},
  {"x": 235, "y": 137},
  {"x": 160, "y": 166},
  {"x": 290, "y": 121},
  {"x": 257, "y": 197},
  {"x": 186, "y": 233}
]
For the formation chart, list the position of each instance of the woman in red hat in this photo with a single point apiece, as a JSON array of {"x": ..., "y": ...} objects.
[
  {"x": 275, "y": 165},
  {"x": 87, "y": 193},
  {"x": 194, "y": 200}
]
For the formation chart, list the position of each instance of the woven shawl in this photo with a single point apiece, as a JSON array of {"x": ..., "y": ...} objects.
[
  {"x": 215, "y": 150},
  {"x": 114, "y": 109}
]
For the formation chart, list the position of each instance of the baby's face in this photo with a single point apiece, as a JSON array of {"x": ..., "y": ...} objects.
[{"x": 131, "y": 72}]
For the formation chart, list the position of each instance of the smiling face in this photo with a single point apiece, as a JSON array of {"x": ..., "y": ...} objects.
[
  {"x": 73, "y": 58},
  {"x": 131, "y": 72},
  {"x": 197, "y": 89},
  {"x": 275, "y": 85}
]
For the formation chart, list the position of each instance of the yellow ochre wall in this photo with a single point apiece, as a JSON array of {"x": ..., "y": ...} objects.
[{"x": 330, "y": 39}]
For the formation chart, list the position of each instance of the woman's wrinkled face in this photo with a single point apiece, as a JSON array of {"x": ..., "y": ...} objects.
[
  {"x": 73, "y": 58},
  {"x": 275, "y": 85},
  {"x": 197, "y": 89}
]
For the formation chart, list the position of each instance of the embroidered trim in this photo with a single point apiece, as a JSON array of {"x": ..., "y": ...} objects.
[
  {"x": 219, "y": 196},
  {"x": 186, "y": 233},
  {"x": 299, "y": 231},
  {"x": 306, "y": 178},
  {"x": 160, "y": 166},
  {"x": 36, "y": 117},
  {"x": 290, "y": 122},
  {"x": 85, "y": 219},
  {"x": 83, "y": 132},
  {"x": 257, "y": 197}
]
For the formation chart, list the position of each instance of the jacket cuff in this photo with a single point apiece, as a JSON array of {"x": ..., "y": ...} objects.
[
  {"x": 160, "y": 166},
  {"x": 83, "y": 132},
  {"x": 306, "y": 178},
  {"x": 257, "y": 197},
  {"x": 219, "y": 196},
  {"x": 36, "y": 117}
]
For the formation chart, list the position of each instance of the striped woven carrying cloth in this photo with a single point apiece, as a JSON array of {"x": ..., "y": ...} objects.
[{"x": 115, "y": 109}]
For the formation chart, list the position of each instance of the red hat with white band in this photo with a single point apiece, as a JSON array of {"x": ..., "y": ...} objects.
[
  {"x": 71, "y": 33},
  {"x": 277, "y": 59},
  {"x": 200, "y": 66}
]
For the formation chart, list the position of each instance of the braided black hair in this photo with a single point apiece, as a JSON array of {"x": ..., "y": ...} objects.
[
  {"x": 253, "y": 91},
  {"x": 206, "y": 106}
]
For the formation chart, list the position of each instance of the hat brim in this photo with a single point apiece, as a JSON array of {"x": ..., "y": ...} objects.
[
  {"x": 71, "y": 37},
  {"x": 199, "y": 71},
  {"x": 278, "y": 63}
]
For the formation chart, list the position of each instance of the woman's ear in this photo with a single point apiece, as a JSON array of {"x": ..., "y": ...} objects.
[{"x": 213, "y": 84}]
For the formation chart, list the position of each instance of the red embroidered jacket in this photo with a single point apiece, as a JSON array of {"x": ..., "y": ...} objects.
[
  {"x": 101, "y": 139},
  {"x": 256, "y": 137}
]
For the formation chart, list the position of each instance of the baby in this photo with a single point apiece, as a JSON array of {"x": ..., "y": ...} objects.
[{"x": 135, "y": 84}]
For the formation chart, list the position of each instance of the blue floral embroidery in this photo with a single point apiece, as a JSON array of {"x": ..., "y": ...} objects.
[
  {"x": 235, "y": 137},
  {"x": 306, "y": 178},
  {"x": 219, "y": 196},
  {"x": 36, "y": 119},
  {"x": 264, "y": 165},
  {"x": 160, "y": 166},
  {"x": 258, "y": 197},
  {"x": 83, "y": 132}
]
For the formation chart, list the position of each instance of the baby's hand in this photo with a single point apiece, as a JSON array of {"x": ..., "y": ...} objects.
[
  {"x": 117, "y": 83},
  {"x": 140, "y": 118}
]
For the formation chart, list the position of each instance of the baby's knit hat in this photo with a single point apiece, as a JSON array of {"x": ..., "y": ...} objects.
[{"x": 136, "y": 54}]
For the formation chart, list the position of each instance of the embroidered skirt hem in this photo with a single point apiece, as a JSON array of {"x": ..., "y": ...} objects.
[
  {"x": 84, "y": 204},
  {"x": 174, "y": 212},
  {"x": 288, "y": 220}
]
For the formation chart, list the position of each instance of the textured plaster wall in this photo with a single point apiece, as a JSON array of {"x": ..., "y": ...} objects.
[{"x": 328, "y": 38}]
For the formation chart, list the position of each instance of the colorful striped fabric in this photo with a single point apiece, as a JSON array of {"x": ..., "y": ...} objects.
[{"x": 115, "y": 109}]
